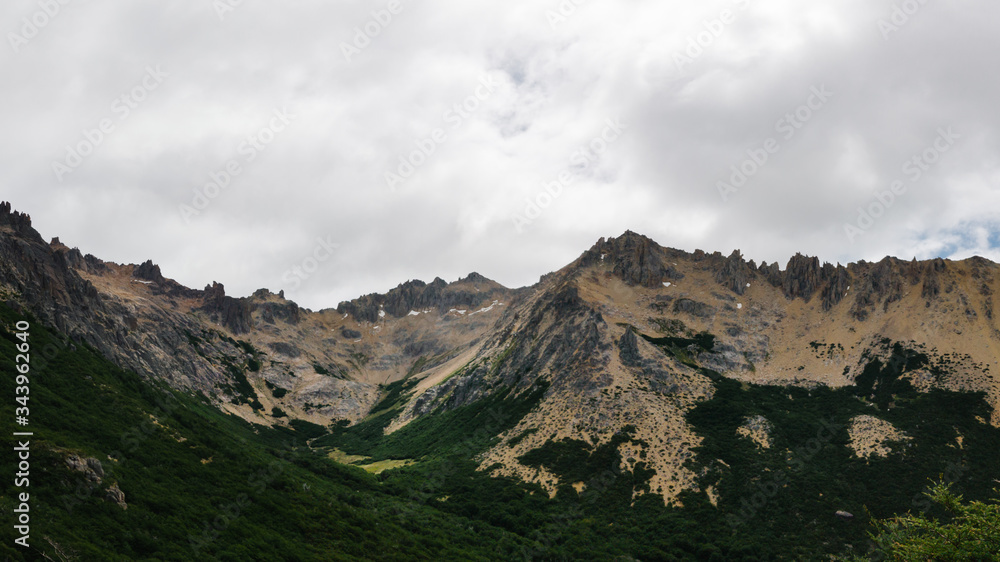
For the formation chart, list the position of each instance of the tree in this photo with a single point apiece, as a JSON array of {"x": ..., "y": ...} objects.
[{"x": 972, "y": 533}]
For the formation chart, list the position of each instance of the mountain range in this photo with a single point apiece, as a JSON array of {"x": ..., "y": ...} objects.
[{"x": 656, "y": 394}]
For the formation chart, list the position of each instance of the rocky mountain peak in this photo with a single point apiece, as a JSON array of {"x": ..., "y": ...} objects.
[
  {"x": 636, "y": 259},
  {"x": 802, "y": 277},
  {"x": 234, "y": 314},
  {"x": 735, "y": 273},
  {"x": 148, "y": 271},
  {"x": 20, "y": 222},
  {"x": 416, "y": 295},
  {"x": 474, "y": 278}
]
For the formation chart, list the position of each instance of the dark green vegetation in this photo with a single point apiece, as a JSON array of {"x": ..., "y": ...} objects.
[
  {"x": 703, "y": 341},
  {"x": 969, "y": 532},
  {"x": 671, "y": 326},
  {"x": 201, "y": 485},
  {"x": 808, "y": 474},
  {"x": 276, "y": 391},
  {"x": 241, "y": 391},
  {"x": 775, "y": 503},
  {"x": 601, "y": 523},
  {"x": 686, "y": 349},
  {"x": 471, "y": 428},
  {"x": 880, "y": 382}
]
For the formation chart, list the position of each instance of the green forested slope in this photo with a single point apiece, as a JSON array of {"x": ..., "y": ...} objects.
[{"x": 201, "y": 485}]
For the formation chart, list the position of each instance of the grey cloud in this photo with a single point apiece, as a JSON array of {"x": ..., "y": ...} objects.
[{"x": 324, "y": 175}]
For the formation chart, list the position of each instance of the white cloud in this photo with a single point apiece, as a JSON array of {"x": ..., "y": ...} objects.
[{"x": 324, "y": 175}]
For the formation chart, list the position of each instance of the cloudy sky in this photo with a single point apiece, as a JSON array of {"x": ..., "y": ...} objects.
[{"x": 337, "y": 148}]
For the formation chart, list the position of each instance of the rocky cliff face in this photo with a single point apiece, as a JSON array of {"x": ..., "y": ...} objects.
[
  {"x": 417, "y": 296},
  {"x": 627, "y": 337},
  {"x": 586, "y": 333},
  {"x": 57, "y": 285},
  {"x": 131, "y": 314},
  {"x": 251, "y": 354},
  {"x": 735, "y": 274},
  {"x": 234, "y": 314},
  {"x": 637, "y": 260}
]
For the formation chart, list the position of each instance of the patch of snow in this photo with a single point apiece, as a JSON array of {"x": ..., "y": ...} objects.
[
  {"x": 413, "y": 313},
  {"x": 141, "y": 281},
  {"x": 377, "y": 328},
  {"x": 345, "y": 316},
  {"x": 739, "y": 305},
  {"x": 381, "y": 314},
  {"x": 666, "y": 284},
  {"x": 748, "y": 285},
  {"x": 487, "y": 309},
  {"x": 602, "y": 256}
]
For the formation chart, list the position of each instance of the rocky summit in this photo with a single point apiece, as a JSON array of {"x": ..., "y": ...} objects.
[{"x": 694, "y": 377}]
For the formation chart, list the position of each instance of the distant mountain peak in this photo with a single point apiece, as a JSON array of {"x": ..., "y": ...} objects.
[
  {"x": 474, "y": 278},
  {"x": 417, "y": 295}
]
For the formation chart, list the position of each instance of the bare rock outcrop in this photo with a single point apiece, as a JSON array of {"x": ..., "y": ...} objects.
[
  {"x": 148, "y": 271},
  {"x": 91, "y": 467},
  {"x": 802, "y": 277},
  {"x": 839, "y": 281},
  {"x": 235, "y": 314},
  {"x": 635, "y": 259},
  {"x": 115, "y": 495},
  {"x": 735, "y": 273},
  {"x": 881, "y": 283},
  {"x": 438, "y": 295},
  {"x": 628, "y": 349}
]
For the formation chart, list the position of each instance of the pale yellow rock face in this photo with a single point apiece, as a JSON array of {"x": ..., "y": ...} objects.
[
  {"x": 870, "y": 436},
  {"x": 756, "y": 429},
  {"x": 594, "y": 418},
  {"x": 761, "y": 337},
  {"x": 769, "y": 339}
]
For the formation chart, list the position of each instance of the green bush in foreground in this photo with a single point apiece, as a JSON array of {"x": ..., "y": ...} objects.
[{"x": 973, "y": 532}]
